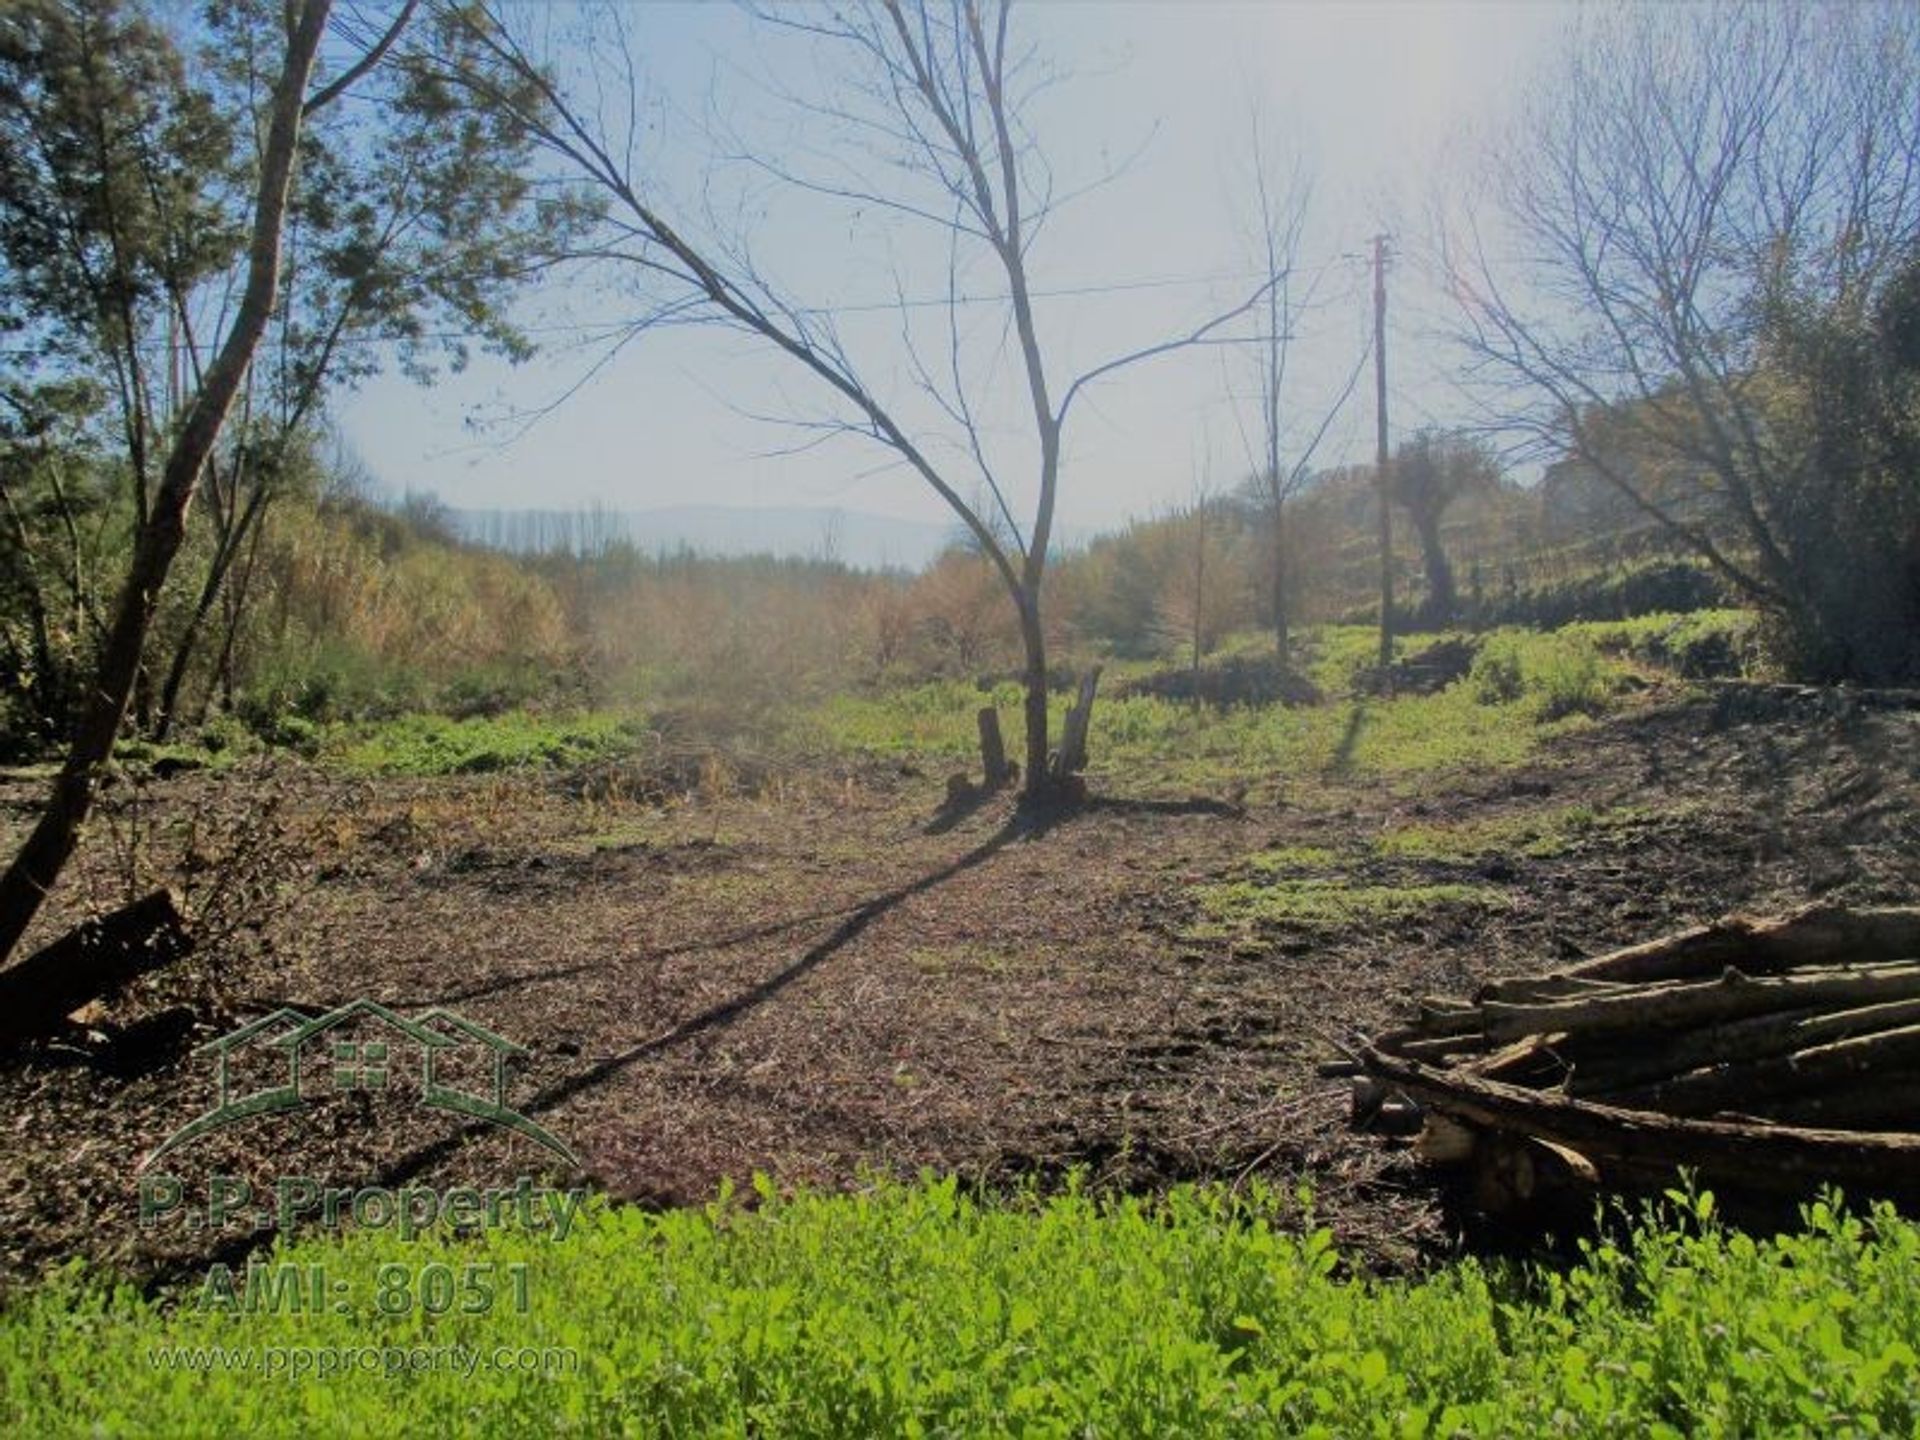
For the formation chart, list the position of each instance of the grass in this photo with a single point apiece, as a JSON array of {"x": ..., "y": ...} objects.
[
  {"x": 915, "y": 1310},
  {"x": 1695, "y": 644},
  {"x": 517, "y": 740},
  {"x": 1148, "y": 743},
  {"x": 1294, "y": 857},
  {"x": 1319, "y": 902},
  {"x": 1529, "y": 688},
  {"x": 1301, "y": 885}
]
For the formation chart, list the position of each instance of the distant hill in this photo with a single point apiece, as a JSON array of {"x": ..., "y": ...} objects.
[{"x": 856, "y": 537}]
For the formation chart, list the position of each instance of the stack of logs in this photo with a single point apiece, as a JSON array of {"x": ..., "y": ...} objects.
[{"x": 1767, "y": 1057}]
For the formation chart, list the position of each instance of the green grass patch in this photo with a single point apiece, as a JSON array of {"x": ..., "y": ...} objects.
[
  {"x": 1322, "y": 902},
  {"x": 517, "y": 740},
  {"x": 914, "y": 1310},
  {"x": 1294, "y": 857}
]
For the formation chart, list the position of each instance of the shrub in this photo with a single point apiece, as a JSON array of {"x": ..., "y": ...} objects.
[
  {"x": 1561, "y": 674},
  {"x": 1496, "y": 676}
]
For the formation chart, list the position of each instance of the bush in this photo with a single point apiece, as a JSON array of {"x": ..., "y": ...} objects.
[
  {"x": 1705, "y": 644},
  {"x": 1562, "y": 674},
  {"x": 1496, "y": 676}
]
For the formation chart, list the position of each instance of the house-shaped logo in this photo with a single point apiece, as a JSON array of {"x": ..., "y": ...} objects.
[{"x": 363, "y": 1046}]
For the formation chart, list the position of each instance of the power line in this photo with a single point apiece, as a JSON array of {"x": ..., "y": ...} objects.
[{"x": 610, "y": 328}]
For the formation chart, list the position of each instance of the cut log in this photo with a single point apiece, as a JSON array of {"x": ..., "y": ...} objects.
[
  {"x": 1535, "y": 988},
  {"x": 1422, "y": 1046},
  {"x": 1734, "y": 996},
  {"x": 1835, "y": 1067},
  {"x": 1874, "y": 1105},
  {"x": 1516, "y": 1172},
  {"x": 1813, "y": 936},
  {"x": 1776, "y": 1160},
  {"x": 1438, "y": 1024},
  {"x": 1600, "y": 1073},
  {"x": 1444, "y": 1141},
  {"x": 1535, "y": 1061},
  {"x": 90, "y": 962}
]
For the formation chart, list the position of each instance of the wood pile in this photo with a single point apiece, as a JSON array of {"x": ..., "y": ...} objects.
[{"x": 1767, "y": 1057}]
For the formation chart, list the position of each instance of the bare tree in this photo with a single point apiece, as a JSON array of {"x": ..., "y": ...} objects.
[
  {"x": 25, "y": 885},
  {"x": 1281, "y": 192},
  {"x": 1698, "y": 224},
  {"x": 932, "y": 120},
  {"x": 1189, "y": 609}
]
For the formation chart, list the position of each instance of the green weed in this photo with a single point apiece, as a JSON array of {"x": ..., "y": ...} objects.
[
  {"x": 1323, "y": 902},
  {"x": 435, "y": 745},
  {"x": 916, "y": 1310}
]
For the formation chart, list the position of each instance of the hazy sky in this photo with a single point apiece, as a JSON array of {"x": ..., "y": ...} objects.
[{"x": 1374, "y": 97}]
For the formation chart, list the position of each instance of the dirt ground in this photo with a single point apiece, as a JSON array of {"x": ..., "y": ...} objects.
[{"x": 827, "y": 978}]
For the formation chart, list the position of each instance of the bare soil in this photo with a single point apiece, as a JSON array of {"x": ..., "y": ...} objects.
[{"x": 827, "y": 979}]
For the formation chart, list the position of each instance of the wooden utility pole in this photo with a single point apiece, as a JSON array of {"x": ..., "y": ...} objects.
[{"x": 1380, "y": 447}]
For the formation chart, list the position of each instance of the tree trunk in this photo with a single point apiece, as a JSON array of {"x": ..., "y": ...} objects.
[
  {"x": 1039, "y": 780},
  {"x": 234, "y": 604},
  {"x": 1734, "y": 996},
  {"x": 1772, "y": 1159},
  {"x": 217, "y": 569},
  {"x": 38, "y": 865},
  {"x": 1282, "y": 636},
  {"x": 1442, "y": 600},
  {"x": 1762, "y": 947}
]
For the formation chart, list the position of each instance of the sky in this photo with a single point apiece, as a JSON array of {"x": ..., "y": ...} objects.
[{"x": 1377, "y": 101}]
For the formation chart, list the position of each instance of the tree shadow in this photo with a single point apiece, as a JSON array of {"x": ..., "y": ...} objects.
[
  {"x": 960, "y": 807},
  {"x": 765, "y": 930},
  {"x": 1341, "y": 762},
  {"x": 1191, "y": 805},
  {"x": 1022, "y": 825}
]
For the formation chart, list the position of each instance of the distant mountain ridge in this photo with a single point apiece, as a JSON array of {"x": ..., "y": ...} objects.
[
  {"x": 854, "y": 537},
  {"x": 858, "y": 538}
]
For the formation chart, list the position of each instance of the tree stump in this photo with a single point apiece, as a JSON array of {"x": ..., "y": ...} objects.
[
  {"x": 993, "y": 750},
  {"x": 1071, "y": 758}
]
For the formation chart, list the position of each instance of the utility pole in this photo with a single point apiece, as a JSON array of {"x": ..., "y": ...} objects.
[{"x": 1380, "y": 448}]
